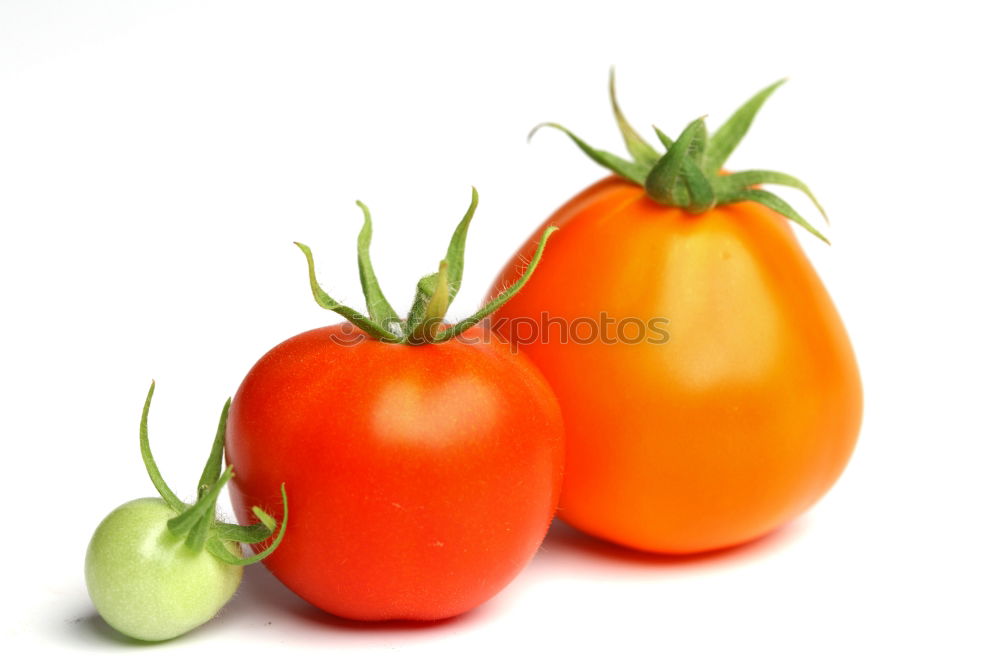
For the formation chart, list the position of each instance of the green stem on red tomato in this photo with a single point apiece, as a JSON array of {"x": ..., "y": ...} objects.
[
  {"x": 437, "y": 307},
  {"x": 379, "y": 309},
  {"x": 424, "y": 324}
]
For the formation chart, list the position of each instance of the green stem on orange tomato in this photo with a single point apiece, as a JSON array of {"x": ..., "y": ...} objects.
[{"x": 689, "y": 174}]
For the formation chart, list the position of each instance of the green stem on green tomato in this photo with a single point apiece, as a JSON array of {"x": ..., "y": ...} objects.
[{"x": 196, "y": 523}]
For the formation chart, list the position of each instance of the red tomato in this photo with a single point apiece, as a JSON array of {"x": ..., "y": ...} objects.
[{"x": 421, "y": 478}]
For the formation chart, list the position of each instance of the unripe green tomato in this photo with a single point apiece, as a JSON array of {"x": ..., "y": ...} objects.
[{"x": 145, "y": 582}]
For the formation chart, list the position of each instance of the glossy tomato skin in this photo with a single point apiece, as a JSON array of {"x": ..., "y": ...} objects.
[
  {"x": 740, "y": 421},
  {"x": 145, "y": 582},
  {"x": 420, "y": 479}
]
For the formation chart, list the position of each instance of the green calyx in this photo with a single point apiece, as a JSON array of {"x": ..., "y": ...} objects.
[
  {"x": 196, "y": 523},
  {"x": 689, "y": 174},
  {"x": 425, "y": 322}
]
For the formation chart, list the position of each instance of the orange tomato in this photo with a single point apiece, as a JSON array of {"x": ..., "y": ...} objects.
[
  {"x": 737, "y": 423},
  {"x": 730, "y": 425}
]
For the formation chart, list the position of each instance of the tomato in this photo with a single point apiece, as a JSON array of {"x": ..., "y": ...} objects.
[
  {"x": 735, "y": 422},
  {"x": 145, "y": 582},
  {"x": 424, "y": 475},
  {"x": 156, "y": 567}
]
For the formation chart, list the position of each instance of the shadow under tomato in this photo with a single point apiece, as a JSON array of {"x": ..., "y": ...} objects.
[
  {"x": 384, "y": 626},
  {"x": 564, "y": 540},
  {"x": 261, "y": 589},
  {"x": 90, "y": 628}
]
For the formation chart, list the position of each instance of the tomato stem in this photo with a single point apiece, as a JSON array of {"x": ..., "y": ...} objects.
[
  {"x": 214, "y": 463},
  {"x": 215, "y": 547},
  {"x": 504, "y": 296},
  {"x": 689, "y": 174},
  {"x": 435, "y": 292},
  {"x": 379, "y": 309},
  {"x": 324, "y": 300},
  {"x": 437, "y": 307},
  {"x": 196, "y": 523},
  {"x": 147, "y": 458}
]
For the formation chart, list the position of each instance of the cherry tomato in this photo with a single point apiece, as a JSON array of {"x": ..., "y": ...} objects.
[
  {"x": 146, "y": 582},
  {"x": 156, "y": 567}
]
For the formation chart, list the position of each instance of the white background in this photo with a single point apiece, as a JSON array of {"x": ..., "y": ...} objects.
[{"x": 158, "y": 159}]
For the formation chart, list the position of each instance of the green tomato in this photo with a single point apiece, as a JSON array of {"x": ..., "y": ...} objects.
[{"x": 146, "y": 582}]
